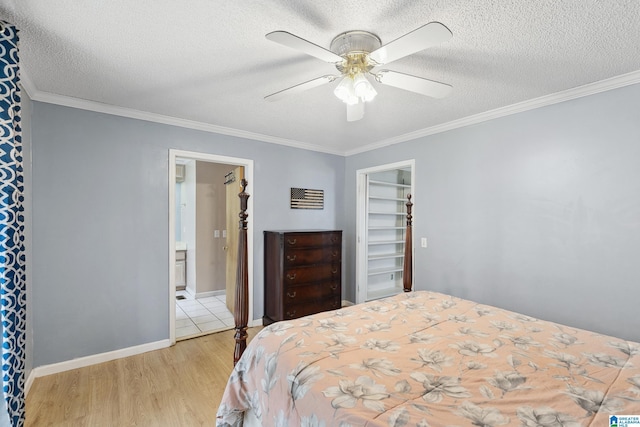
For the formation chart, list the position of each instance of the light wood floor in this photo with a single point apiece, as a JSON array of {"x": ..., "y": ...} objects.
[{"x": 178, "y": 386}]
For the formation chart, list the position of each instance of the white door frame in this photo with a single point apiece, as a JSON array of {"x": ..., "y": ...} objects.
[
  {"x": 213, "y": 158},
  {"x": 362, "y": 176}
]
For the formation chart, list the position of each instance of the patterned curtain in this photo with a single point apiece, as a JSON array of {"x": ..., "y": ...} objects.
[{"x": 12, "y": 251}]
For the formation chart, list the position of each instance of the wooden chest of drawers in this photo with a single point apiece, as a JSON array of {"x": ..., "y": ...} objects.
[{"x": 302, "y": 273}]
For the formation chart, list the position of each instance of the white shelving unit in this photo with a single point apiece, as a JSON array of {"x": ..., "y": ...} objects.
[{"x": 385, "y": 231}]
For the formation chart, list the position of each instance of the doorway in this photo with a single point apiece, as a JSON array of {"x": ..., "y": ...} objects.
[
  {"x": 191, "y": 174},
  {"x": 381, "y": 227}
]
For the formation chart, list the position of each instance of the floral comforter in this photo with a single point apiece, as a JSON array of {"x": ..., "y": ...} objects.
[{"x": 428, "y": 359}]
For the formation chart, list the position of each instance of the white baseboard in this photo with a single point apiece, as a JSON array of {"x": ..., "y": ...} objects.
[
  {"x": 94, "y": 359},
  {"x": 82, "y": 362},
  {"x": 209, "y": 294},
  {"x": 29, "y": 382}
]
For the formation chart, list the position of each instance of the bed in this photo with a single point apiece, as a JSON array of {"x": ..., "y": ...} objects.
[{"x": 428, "y": 359}]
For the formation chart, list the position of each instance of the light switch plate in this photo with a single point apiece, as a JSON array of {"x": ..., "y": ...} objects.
[{"x": 423, "y": 242}]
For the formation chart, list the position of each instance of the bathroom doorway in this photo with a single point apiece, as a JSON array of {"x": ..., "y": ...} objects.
[{"x": 199, "y": 235}]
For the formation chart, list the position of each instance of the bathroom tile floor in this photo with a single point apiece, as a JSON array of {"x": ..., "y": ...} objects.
[{"x": 195, "y": 317}]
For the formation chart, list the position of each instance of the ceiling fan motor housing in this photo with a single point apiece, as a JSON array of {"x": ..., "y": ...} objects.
[{"x": 354, "y": 47}]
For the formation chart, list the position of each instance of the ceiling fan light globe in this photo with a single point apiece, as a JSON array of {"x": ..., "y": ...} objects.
[
  {"x": 361, "y": 85},
  {"x": 352, "y": 100},
  {"x": 371, "y": 93},
  {"x": 340, "y": 95},
  {"x": 344, "y": 91}
]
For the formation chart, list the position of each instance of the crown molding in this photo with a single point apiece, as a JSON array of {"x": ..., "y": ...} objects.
[
  {"x": 83, "y": 104},
  {"x": 27, "y": 84},
  {"x": 543, "y": 101}
]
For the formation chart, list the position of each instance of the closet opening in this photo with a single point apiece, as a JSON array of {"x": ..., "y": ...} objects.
[{"x": 381, "y": 227}]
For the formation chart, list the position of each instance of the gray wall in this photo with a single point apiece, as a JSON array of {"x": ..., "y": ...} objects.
[
  {"x": 537, "y": 212},
  {"x": 211, "y": 208},
  {"x": 100, "y": 223}
]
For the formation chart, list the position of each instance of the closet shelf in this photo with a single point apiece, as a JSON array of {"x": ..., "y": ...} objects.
[
  {"x": 388, "y": 213},
  {"x": 378, "y": 228},
  {"x": 390, "y": 199},
  {"x": 385, "y": 256},
  {"x": 386, "y": 242},
  {"x": 374, "y": 272},
  {"x": 389, "y": 184}
]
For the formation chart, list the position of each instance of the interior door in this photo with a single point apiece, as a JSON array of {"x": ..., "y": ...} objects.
[{"x": 233, "y": 188}]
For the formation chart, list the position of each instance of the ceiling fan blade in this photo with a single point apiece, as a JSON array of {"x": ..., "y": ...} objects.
[
  {"x": 355, "y": 111},
  {"x": 295, "y": 42},
  {"x": 300, "y": 87},
  {"x": 414, "y": 83},
  {"x": 426, "y": 36}
]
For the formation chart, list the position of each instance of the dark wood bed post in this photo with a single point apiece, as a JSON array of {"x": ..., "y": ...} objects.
[
  {"x": 241, "y": 314},
  {"x": 407, "y": 271}
]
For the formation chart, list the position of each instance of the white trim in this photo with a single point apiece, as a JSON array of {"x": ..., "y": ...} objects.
[
  {"x": 29, "y": 382},
  {"x": 389, "y": 166},
  {"x": 361, "y": 227},
  {"x": 566, "y": 95},
  {"x": 362, "y": 176},
  {"x": 83, "y": 104},
  {"x": 531, "y": 104},
  {"x": 209, "y": 294},
  {"x": 94, "y": 359},
  {"x": 83, "y": 362},
  {"x": 27, "y": 84},
  {"x": 248, "y": 173}
]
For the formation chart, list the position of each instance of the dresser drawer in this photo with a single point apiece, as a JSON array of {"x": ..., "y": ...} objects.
[
  {"x": 300, "y": 293},
  {"x": 315, "y": 273},
  {"x": 295, "y": 257},
  {"x": 309, "y": 240},
  {"x": 294, "y": 311}
]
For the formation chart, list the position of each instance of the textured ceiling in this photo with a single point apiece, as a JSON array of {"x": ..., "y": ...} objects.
[{"x": 208, "y": 63}]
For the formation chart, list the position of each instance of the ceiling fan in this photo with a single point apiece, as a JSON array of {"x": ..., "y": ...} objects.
[{"x": 358, "y": 53}]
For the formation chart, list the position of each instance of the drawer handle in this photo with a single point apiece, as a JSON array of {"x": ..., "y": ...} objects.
[
  {"x": 291, "y": 276},
  {"x": 335, "y": 254},
  {"x": 291, "y": 313},
  {"x": 292, "y": 242},
  {"x": 334, "y": 287},
  {"x": 334, "y": 239},
  {"x": 334, "y": 271},
  {"x": 291, "y": 295},
  {"x": 334, "y": 304},
  {"x": 291, "y": 258}
]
